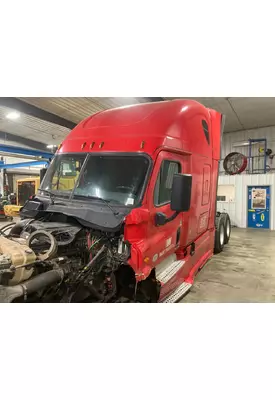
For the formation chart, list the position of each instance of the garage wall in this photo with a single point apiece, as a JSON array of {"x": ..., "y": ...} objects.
[
  {"x": 262, "y": 133},
  {"x": 229, "y": 139},
  {"x": 13, "y": 160},
  {"x": 227, "y": 191},
  {"x": 10, "y": 160},
  {"x": 237, "y": 206}
]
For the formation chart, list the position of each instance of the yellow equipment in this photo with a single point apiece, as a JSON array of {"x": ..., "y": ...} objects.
[
  {"x": 11, "y": 210},
  {"x": 26, "y": 188},
  {"x": 65, "y": 183}
]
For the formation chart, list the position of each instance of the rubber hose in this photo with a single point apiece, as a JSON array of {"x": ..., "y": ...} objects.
[
  {"x": 9, "y": 293},
  {"x": 43, "y": 280}
]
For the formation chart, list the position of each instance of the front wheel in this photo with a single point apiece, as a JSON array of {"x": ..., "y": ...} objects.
[{"x": 219, "y": 236}]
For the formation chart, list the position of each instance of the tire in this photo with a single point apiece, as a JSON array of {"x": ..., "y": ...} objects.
[
  {"x": 227, "y": 226},
  {"x": 219, "y": 235}
]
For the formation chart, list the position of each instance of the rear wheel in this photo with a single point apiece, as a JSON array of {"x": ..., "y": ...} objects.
[
  {"x": 227, "y": 226},
  {"x": 219, "y": 235}
]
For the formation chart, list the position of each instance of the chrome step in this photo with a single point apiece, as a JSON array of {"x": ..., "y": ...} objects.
[
  {"x": 177, "y": 293},
  {"x": 165, "y": 275}
]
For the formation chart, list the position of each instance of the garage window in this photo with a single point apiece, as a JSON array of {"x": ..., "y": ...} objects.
[
  {"x": 221, "y": 198},
  {"x": 163, "y": 189}
]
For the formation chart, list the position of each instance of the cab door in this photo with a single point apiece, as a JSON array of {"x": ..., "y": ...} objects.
[{"x": 163, "y": 240}]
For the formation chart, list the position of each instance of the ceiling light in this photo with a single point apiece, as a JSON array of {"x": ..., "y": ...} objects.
[
  {"x": 239, "y": 144},
  {"x": 51, "y": 146},
  {"x": 245, "y": 143},
  {"x": 13, "y": 115}
]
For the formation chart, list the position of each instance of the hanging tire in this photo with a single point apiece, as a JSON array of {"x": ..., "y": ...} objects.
[
  {"x": 219, "y": 235},
  {"x": 227, "y": 226}
]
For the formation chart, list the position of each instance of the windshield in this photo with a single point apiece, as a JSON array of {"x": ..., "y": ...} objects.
[{"x": 114, "y": 178}]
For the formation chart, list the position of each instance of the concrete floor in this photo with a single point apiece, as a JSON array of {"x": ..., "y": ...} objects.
[{"x": 243, "y": 272}]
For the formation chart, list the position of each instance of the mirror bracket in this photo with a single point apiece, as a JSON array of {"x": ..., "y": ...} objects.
[{"x": 161, "y": 219}]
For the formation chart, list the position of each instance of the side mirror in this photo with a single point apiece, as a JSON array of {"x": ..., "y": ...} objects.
[{"x": 181, "y": 193}]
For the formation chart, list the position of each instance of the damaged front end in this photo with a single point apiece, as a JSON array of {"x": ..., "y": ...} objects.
[
  {"x": 44, "y": 261},
  {"x": 70, "y": 245}
]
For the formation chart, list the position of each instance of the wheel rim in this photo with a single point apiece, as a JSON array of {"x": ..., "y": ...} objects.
[
  {"x": 228, "y": 229},
  {"x": 222, "y": 235}
]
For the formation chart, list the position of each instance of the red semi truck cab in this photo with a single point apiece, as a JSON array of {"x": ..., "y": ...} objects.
[
  {"x": 160, "y": 140},
  {"x": 141, "y": 183}
]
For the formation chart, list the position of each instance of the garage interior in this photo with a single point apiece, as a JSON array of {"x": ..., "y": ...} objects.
[{"x": 31, "y": 129}]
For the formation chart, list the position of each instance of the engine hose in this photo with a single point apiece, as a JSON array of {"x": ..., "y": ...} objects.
[
  {"x": 95, "y": 257},
  {"x": 9, "y": 293},
  {"x": 53, "y": 244},
  {"x": 81, "y": 276}
]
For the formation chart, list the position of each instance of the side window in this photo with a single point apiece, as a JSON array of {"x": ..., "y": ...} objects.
[
  {"x": 163, "y": 189},
  {"x": 206, "y": 131}
]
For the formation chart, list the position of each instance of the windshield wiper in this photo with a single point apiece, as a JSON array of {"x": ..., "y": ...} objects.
[
  {"x": 51, "y": 194},
  {"x": 100, "y": 199}
]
